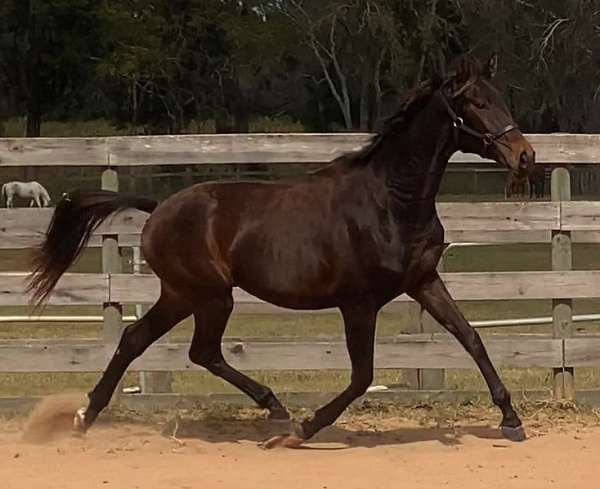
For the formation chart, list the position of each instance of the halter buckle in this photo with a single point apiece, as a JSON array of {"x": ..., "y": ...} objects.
[
  {"x": 488, "y": 139},
  {"x": 458, "y": 122}
]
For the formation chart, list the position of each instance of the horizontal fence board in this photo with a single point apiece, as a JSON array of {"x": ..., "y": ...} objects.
[
  {"x": 167, "y": 402},
  {"x": 32, "y": 223},
  {"x": 580, "y": 216},
  {"x": 75, "y": 288},
  {"x": 582, "y": 351},
  {"x": 497, "y": 237},
  {"x": 308, "y": 400},
  {"x": 11, "y": 242},
  {"x": 499, "y": 216},
  {"x": 72, "y": 289},
  {"x": 24, "y": 221},
  {"x": 482, "y": 222},
  {"x": 128, "y": 288},
  {"x": 585, "y": 236},
  {"x": 246, "y": 148},
  {"x": 231, "y": 148},
  {"x": 53, "y": 152},
  {"x": 418, "y": 351},
  {"x": 567, "y": 148},
  {"x": 523, "y": 285}
]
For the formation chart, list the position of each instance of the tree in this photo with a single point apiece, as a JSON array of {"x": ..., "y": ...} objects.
[{"x": 46, "y": 48}]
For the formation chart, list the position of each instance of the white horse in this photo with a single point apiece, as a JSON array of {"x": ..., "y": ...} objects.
[{"x": 28, "y": 190}]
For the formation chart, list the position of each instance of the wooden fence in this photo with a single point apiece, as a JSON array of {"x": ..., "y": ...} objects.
[{"x": 424, "y": 353}]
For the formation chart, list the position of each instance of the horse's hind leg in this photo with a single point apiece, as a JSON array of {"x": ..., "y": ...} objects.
[
  {"x": 359, "y": 324},
  {"x": 136, "y": 337},
  {"x": 211, "y": 318},
  {"x": 436, "y": 299}
]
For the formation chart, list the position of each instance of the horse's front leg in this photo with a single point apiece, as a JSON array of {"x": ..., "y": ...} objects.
[
  {"x": 359, "y": 323},
  {"x": 435, "y": 298}
]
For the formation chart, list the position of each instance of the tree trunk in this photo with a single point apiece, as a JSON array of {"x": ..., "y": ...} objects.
[
  {"x": 364, "y": 102},
  {"x": 134, "y": 106},
  {"x": 241, "y": 111},
  {"x": 223, "y": 123},
  {"x": 377, "y": 92},
  {"x": 33, "y": 113},
  {"x": 426, "y": 41}
]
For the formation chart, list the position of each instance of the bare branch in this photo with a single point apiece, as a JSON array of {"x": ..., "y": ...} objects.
[{"x": 548, "y": 37}]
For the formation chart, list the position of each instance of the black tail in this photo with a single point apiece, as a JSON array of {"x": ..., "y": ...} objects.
[{"x": 75, "y": 218}]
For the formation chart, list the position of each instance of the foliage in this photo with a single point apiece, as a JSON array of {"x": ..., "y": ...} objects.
[{"x": 172, "y": 66}]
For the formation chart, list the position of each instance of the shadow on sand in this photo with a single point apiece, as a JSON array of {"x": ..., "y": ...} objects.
[{"x": 235, "y": 430}]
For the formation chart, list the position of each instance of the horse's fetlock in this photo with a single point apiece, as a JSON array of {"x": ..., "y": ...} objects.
[{"x": 501, "y": 397}]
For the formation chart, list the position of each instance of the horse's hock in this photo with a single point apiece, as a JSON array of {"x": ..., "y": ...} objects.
[{"x": 424, "y": 352}]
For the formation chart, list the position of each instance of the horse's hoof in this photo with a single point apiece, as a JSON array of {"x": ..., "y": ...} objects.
[
  {"x": 79, "y": 421},
  {"x": 293, "y": 439},
  {"x": 279, "y": 417},
  {"x": 284, "y": 441},
  {"x": 513, "y": 434}
]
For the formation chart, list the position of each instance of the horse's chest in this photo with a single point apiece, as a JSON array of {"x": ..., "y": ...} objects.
[{"x": 412, "y": 258}]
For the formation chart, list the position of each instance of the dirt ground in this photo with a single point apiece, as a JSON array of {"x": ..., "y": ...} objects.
[{"x": 366, "y": 451}]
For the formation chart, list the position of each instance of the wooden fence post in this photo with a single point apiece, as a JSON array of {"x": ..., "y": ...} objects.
[
  {"x": 111, "y": 263},
  {"x": 420, "y": 321},
  {"x": 432, "y": 378},
  {"x": 413, "y": 325},
  {"x": 562, "y": 309},
  {"x": 150, "y": 382}
]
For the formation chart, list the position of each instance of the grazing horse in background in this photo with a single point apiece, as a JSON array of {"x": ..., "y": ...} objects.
[
  {"x": 354, "y": 235},
  {"x": 537, "y": 182},
  {"x": 517, "y": 185},
  {"x": 27, "y": 190},
  {"x": 521, "y": 185}
]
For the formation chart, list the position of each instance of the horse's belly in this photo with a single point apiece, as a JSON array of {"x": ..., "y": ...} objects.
[{"x": 290, "y": 300}]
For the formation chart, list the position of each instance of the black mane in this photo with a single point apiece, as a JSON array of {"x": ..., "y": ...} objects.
[
  {"x": 463, "y": 68},
  {"x": 412, "y": 104}
]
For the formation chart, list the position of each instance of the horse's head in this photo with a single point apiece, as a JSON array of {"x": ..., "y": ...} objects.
[{"x": 483, "y": 124}]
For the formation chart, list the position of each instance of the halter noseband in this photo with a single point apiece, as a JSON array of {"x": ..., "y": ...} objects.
[{"x": 486, "y": 138}]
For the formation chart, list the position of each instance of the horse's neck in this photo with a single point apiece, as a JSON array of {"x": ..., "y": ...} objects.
[{"x": 413, "y": 163}]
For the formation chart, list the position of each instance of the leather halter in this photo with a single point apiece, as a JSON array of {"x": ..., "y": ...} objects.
[{"x": 487, "y": 138}]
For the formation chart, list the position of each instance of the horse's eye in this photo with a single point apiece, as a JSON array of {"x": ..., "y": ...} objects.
[{"x": 480, "y": 105}]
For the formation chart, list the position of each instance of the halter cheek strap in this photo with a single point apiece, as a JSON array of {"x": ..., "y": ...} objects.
[{"x": 486, "y": 138}]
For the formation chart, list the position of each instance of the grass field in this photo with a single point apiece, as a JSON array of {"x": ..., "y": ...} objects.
[{"x": 483, "y": 258}]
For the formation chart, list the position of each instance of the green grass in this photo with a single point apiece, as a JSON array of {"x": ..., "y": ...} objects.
[{"x": 485, "y": 258}]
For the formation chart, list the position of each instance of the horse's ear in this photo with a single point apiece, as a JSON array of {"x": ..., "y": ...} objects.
[{"x": 491, "y": 67}]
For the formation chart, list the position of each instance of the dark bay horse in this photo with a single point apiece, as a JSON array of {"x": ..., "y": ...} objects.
[{"x": 353, "y": 235}]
